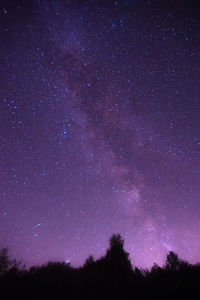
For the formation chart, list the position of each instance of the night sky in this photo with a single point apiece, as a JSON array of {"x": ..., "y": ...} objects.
[{"x": 99, "y": 129}]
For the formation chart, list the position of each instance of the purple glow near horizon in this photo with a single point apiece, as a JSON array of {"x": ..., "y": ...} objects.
[{"x": 99, "y": 129}]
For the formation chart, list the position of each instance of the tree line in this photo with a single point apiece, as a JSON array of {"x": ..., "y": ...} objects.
[{"x": 109, "y": 277}]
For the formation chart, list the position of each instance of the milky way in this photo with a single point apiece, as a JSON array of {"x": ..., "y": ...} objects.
[{"x": 99, "y": 129}]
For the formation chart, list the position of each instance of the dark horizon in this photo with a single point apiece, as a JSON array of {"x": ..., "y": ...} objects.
[
  {"x": 110, "y": 277},
  {"x": 99, "y": 129}
]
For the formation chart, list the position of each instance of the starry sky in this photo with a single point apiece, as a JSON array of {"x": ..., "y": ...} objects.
[{"x": 99, "y": 129}]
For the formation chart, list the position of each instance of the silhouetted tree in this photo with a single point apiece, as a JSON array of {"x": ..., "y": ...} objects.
[
  {"x": 117, "y": 254},
  {"x": 172, "y": 263},
  {"x": 4, "y": 261},
  {"x": 89, "y": 261}
]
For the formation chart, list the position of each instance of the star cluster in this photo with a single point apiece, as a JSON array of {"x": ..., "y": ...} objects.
[{"x": 99, "y": 129}]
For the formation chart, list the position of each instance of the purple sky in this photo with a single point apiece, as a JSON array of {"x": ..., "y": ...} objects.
[{"x": 99, "y": 129}]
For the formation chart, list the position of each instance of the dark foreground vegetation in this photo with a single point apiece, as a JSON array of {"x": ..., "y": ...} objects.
[{"x": 110, "y": 277}]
